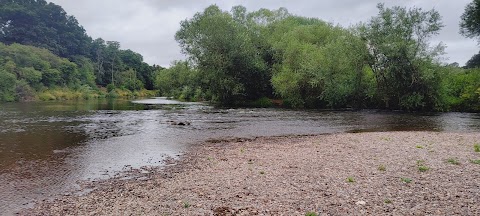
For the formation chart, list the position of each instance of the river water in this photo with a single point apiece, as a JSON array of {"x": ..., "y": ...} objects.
[{"x": 46, "y": 148}]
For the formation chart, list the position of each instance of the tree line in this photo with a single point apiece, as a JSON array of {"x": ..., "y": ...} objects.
[
  {"x": 238, "y": 57},
  {"x": 42, "y": 48}
]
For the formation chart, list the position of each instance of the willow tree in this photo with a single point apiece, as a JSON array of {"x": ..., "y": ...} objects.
[
  {"x": 318, "y": 64},
  {"x": 220, "y": 46},
  {"x": 401, "y": 56}
]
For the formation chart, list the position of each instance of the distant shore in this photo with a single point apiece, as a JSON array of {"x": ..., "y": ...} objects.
[{"x": 399, "y": 173}]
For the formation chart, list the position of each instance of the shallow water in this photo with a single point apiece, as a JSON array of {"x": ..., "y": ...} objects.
[{"x": 47, "y": 147}]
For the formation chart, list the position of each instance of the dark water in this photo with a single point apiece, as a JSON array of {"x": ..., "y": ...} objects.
[{"x": 47, "y": 147}]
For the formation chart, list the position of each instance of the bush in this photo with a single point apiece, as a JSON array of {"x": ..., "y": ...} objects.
[
  {"x": 110, "y": 87},
  {"x": 263, "y": 102},
  {"x": 7, "y": 86}
]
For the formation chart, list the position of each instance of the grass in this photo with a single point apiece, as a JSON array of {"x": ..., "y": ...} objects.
[
  {"x": 387, "y": 201},
  {"x": 419, "y": 147},
  {"x": 242, "y": 150},
  {"x": 423, "y": 168},
  {"x": 186, "y": 204},
  {"x": 476, "y": 147},
  {"x": 475, "y": 161},
  {"x": 406, "y": 180},
  {"x": 311, "y": 214},
  {"x": 382, "y": 168},
  {"x": 350, "y": 179},
  {"x": 453, "y": 161}
]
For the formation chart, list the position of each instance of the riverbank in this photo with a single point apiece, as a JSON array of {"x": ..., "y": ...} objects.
[
  {"x": 400, "y": 173},
  {"x": 88, "y": 93}
]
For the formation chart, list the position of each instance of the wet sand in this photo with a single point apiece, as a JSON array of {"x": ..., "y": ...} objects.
[{"x": 381, "y": 173}]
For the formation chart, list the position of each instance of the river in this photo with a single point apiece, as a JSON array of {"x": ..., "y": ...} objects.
[{"x": 46, "y": 148}]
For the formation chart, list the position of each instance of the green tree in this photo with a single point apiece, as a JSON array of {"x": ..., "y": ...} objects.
[
  {"x": 401, "y": 57},
  {"x": 222, "y": 49},
  {"x": 474, "y": 62},
  {"x": 318, "y": 64},
  {"x": 7, "y": 86},
  {"x": 42, "y": 24},
  {"x": 181, "y": 81},
  {"x": 470, "y": 20}
]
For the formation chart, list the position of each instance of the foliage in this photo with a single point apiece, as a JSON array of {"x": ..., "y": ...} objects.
[
  {"x": 401, "y": 57},
  {"x": 473, "y": 62},
  {"x": 28, "y": 69},
  {"x": 221, "y": 47},
  {"x": 180, "y": 81},
  {"x": 42, "y": 24},
  {"x": 30, "y": 73},
  {"x": 453, "y": 161},
  {"x": 350, "y": 179},
  {"x": 114, "y": 65},
  {"x": 59, "y": 53},
  {"x": 470, "y": 20},
  {"x": 460, "y": 89},
  {"x": 7, "y": 86},
  {"x": 319, "y": 65}
]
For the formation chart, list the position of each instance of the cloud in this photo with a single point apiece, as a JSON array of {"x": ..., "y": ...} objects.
[{"x": 148, "y": 26}]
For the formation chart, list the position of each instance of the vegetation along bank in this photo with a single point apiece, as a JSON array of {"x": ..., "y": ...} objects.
[{"x": 239, "y": 57}]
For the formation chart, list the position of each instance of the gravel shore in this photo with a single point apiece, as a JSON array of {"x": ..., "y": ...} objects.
[{"x": 381, "y": 173}]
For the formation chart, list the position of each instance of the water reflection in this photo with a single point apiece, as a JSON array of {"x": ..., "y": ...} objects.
[{"x": 45, "y": 147}]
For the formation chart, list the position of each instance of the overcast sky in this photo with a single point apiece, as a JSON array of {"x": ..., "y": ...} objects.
[{"x": 148, "y": 26}]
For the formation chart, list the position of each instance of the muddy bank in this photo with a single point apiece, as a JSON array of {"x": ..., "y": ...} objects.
[{"x": 383, "y": 173}]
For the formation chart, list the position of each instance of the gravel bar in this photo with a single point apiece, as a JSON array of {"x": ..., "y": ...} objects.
[{"x": 378, "y": 173}]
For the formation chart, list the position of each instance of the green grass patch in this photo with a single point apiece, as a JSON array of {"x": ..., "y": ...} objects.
[
  {"x": 423, "y": 168},
  {"x": 476, "y": 147},
  {"x": 387, "y": 201},
  {"x": 419, "y": 147},
  {"x": 475, "y": 162},
  {"x": 382, "y": 168},
  {"x": 453, "y": 161},
  {"x": 311, "y": 214},
  {"x": 350, "y": 179},
  {"x": 406, "y": 180},
  {"x": 186, "y": 204}
]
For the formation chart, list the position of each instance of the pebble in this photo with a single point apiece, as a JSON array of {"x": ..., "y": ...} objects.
[{"x": 361, "y": 203}]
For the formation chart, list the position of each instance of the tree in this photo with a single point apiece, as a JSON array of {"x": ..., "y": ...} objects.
[
  {"x": 401, "y": 57},
  {"x": 222, "y": 48},
  {"x": 470, "y": 20},
  {"x": 112, "y": 55},
  {"x": 42, "y": 24},
  {"x": 474, "y": 62},
  {"x": 7, "y": 86},
  {"x": 318, "y": 64}
]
